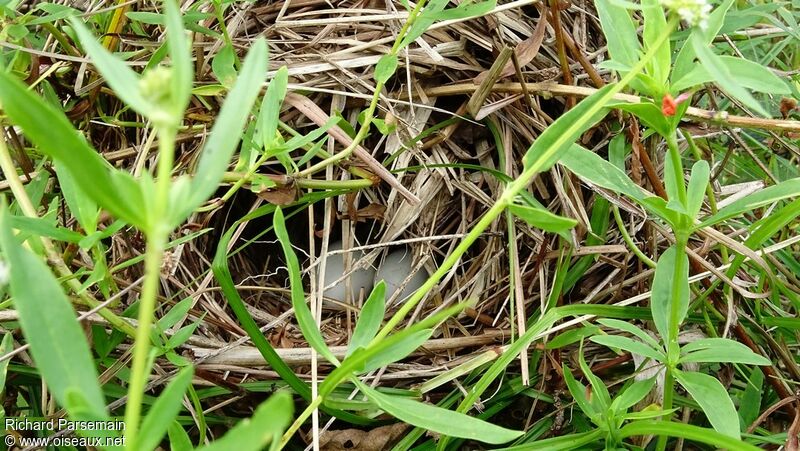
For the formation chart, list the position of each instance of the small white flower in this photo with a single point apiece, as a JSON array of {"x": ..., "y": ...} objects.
[
  {"x": 693, "y": 12},
  {"x": 5, "y": 273}
]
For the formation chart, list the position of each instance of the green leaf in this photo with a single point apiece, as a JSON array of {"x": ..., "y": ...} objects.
[
  {"x": 687, "y": 431},
  {"x": 223, "y": 66},
  {"x": 162, "y": 413},
  {"x": 270, "y": 419},
  {"x": 6, "y": 346},
  {"x": 578, "y": 392},
  {"x": 385, "y": 68},
  {"x": 696, "y": 191},
  {"x": 620, "y": 32},
  {"x": 543, "y": 219},
  {"x": 648, "y": 113},
  {"x": 437, "y": 419},
  {"x": 52, "y": 132},
  {"x": 655, "y": 25},
  {"x": 766, "y": 196},
  {"x": 181, "y": 61},
  {"x": 567, "y": 442},
  {"x": 81, "y": 205},
  {"x": 433, "y": 11},
  {"x": 397, "y": 351},
  {"x": 662, "y": 296},
  {"x": 723, "y": 76},
  {"x": 630, "y": 328},
  {"x": 593, "y": 168},
  {"x": 57, "y": 342},
  {"x": 632, "y": 394},
  {"x": 226, "y": 133},
  {"x": 600, "y": 396},
  {"x": 370, "y": 318},
  {"x": 750, "y": 403},
  {"x": 270, "y": 111},
  {"x": 121, "y": 78},
  {"x": 720, "y": 350},
  {"x": 628, "y": 344},
  {"x": 562, "y": 134},
  {"x": 178, "y": 438},
  {"x": 713, "y": 399},
  {"x": 749, "y": 74},
  {"x": 301, "y": 311}
]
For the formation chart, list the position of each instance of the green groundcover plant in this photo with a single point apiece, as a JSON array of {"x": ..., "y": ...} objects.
[{"x": 674, "y": 57}]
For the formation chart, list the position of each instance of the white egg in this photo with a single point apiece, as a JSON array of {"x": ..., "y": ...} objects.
[
  {"x": 335, "y": 269},
  {"x": 395, "y": 269}
]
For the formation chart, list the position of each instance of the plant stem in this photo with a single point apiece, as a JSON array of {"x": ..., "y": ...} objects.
[
  {"x": 299, "y": 421},
  {"x": 157, "y": 235},
  {"x": 369, "y": 113}
]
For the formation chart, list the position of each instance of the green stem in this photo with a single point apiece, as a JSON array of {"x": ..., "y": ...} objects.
[
  {"x": 299, "y": 421},
  {"x": 157, "y": 235},
  {"x": 369, "y": 114},
  {"x": 629, "y": 241}
]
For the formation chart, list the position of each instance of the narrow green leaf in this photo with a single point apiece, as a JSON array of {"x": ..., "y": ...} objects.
[
  {"x": 766, "y": 196},
  {"x": 6, "y": 346},
  {"x": 399, "y": 350},
  {"x": 162, "y": 413},
  {"x": 270, "y": 418},
  {"x": 182, "y": 67},
  {"x": 578, "y": 392},
  {"x": 370, "y": 318},
  {"x": 178, "y": 438},
  {"x": 696, "y": 191},
  {"x": 630, "y": 328},
  {"x": 723, "y": 77},
  {"x": 662, "y": 296},
  {"x": 270, "y": 111},
  {"x": 544, "y": 153},
  {"x": 385, "y": 68},
  {"x": 596, "y": 170},
  {"x": 749, "y": 74},
  {"x": 81, "y": 205},
  {"x": 632, "y": 394},
  {"x": 301, "y": 311},
  {"x": 713, "y": 399},
  {"x": 620, "y": 32},
  {"x": 630, "y": 345},
  {"x": 600, "y": 396},
  {"x": 56, "y": 340},
  {"x": 543, "y": 219},
  {"x": 750, "y": 403},
  {"x": 687, "y": 431},
  {"x": 226, "y": 133},
  {"x": 52, "y": 132},
  {"x": 648, "y": 113},
  {"x": 655, "y": 25},
  {"x": 437, "y": 419},
  {"x": 720, "y": 350}
]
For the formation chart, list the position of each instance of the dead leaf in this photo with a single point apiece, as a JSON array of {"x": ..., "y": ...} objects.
[
  {"x": 282, "y": 195},
  {"x": 376, "y": 439}
]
